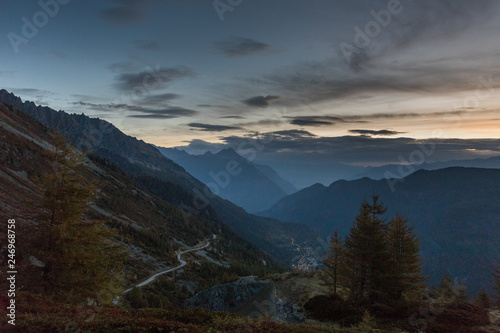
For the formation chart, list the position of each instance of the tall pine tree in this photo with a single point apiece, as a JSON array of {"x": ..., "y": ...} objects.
[
  {"x": 366, "y": 253},
  {"x": 406, "y": 281},
  {"x": 333, "y": 261}
]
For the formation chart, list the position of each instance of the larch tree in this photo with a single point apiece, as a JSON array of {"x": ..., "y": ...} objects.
[
  {"x": 366, "y": 253},
  {"x": 405, "y": 280},
  {"x": 446, "y": 289},
  {"x": 78, "y": 256},
  {"x": 482, "y": 300},
  {"x": 333, "y": 260}
]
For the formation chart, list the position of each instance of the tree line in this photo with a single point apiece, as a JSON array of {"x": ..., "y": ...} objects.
[{"x": 378, "y": 264}]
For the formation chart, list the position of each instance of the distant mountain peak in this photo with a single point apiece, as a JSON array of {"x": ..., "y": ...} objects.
[{"x": 229, "y": 152}]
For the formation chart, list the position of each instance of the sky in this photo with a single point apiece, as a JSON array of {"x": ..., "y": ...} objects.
[{"x": 319, "y": 81}]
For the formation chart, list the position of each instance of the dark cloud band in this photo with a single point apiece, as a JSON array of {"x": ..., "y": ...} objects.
[
  {"x": 212, "y": 128},
  {"x": 260, "y": 101},
  {"x": 240, "y": 47}
]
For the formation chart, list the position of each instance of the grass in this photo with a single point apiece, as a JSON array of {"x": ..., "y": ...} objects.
[{"x": 36, "y": 314}]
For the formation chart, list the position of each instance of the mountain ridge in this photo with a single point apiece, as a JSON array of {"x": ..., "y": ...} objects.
[
  {"x": 143, "y": 160},
  {"x": 396, "y": 170},
  {"x": 455, "y": 212},
  {"x": 253, "y": 187},
  {"x": 150, "y": 228}
]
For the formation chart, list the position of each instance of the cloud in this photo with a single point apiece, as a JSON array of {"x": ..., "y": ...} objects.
[
  {"x": 151, "y": 79},
  {"x": 331, "y": 80},
  {"x": 167, "y": 113},
  {"x": 374, "y": 132},
  {"x": 418, "y": 23},
  {"x": 439, "y": 20},
  {"x": 212, "y": 128},
  {"x": 403, "y": 115},
  {"x": 216, "y": 106},
  {"x": 292, "y": 134},
  {"x": 315, "y": 120},
  {"x": 147, "y": 45},
  {"x": 81, "y": 97},
  {"x": 160, "y": 99},
  {"x": 418, "y": 53},
  {"x": 367, "y": 118},
  {"x": 126, "y": 12},
  {"x": 125, "y": 67},
  {"x": 102, "y": 107},
  {"x": 144, "y": 112},
  {"x": 197, "y": 146},
  {"x": 321, "y": 120},
  {"x": 240, "y": 47},
  {"x": 31, "y": 91},
  {"x": 365, "y": 150},
  {"x": 260, "y": 101},
  {"x": 38, "y": 96},
  {"x": 330, "y": 120},
  {"x": 268, "y": 123},
  {"x": 232, "y": 117},
  {"x": 305, "y": 122}
]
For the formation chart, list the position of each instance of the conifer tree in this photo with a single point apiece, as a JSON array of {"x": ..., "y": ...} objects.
[
  {"x": 446, "y": 289},
  {"x": 366, "y": 253},
  {"x": 405, "y": 279},
  {"x": 452, "y": 292},
  {"x": 483, "y": 300},
  {"x": 332, "y": 261},
  {"x": 79, "y": 259},
  {"x": 378, "y": 262}
]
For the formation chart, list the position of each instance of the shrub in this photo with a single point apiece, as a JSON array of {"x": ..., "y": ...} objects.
[{"x": 461, "y": 317}]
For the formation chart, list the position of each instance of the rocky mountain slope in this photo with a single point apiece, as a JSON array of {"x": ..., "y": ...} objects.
[
  {"x": 150, "y": 228},
  {"x": 278, "y": 297}
]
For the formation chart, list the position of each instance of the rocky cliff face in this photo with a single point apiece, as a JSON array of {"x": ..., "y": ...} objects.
[
  {"x": 231, "y": 296},
  {"x": 247, "y": 297}
]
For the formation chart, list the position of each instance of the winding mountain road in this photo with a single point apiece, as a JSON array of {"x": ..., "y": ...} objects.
[{"x": 152, "y": 278}]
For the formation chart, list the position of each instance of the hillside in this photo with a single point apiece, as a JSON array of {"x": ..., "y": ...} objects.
[
  {"x": 150, "y": 228},
  {"x": 252, "y": 187},
  {"x": 156, "y": 173},
  {"x": 455, "y": 213}
]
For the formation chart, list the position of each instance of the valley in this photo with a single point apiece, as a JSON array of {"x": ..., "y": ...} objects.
[{"x": 150, "y": 213}]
